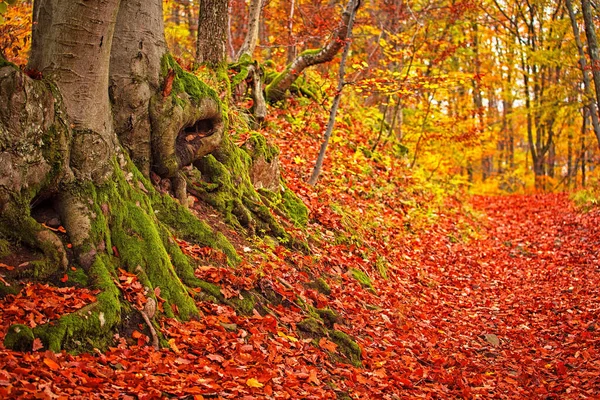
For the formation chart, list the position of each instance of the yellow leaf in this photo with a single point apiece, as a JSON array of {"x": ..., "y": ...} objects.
[
  {"x": 174, "y": 346},
  {"x": 253, "y": 382},
  {"x": 290, "y": 338},
  {"x": 299, "y": 160}
]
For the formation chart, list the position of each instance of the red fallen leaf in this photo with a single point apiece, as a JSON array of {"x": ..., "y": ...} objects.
[
  {"x": 561, "y": 370},
  {"x": 116, "y": 252},
  {"x": 64, "y": 278},
  {"x": 215, "y": 357},
  {"x": 37, "y": 344},
  {"x": 312, "y": 377},
  {"x": 168, "y": 85}
]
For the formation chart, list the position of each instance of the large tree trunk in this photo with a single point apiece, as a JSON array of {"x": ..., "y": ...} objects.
[
  {"x": 212, "y": 32},
  {"x": 63, "y": 151},
  {"x": 74, "y": 162},
  {"x": 276, "y": 90},
  {"x": 168, "y": 128}
]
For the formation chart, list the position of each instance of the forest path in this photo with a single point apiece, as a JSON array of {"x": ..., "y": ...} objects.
[
  {"x": 514, "y": 313},
  {"x": 509, "y": 312}
]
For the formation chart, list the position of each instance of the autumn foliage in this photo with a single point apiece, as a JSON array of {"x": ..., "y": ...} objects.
[{"x": 408, "y": 285}]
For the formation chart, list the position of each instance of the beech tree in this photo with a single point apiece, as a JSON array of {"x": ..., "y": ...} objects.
[{"x": 106, "y": 133}]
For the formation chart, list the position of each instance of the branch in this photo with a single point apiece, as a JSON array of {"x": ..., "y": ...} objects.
[{"x": 277, "y": 88}]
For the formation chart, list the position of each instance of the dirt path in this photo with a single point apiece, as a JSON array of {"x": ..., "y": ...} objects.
[{"x": 514, "y": 314}]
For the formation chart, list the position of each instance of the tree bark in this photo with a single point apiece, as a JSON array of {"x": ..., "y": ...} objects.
[
  {"x": 276, "y": 90},
  {"x": 71, "y": 43},
  {"x": 353, "y": 7},
  {"x": 251, "y": 38},
  {"x": 592, "y": 39},
  {"x": 114, "y": 217},
  {"x": 212, "y": 32},
  {"x": 587, "y": 86}
]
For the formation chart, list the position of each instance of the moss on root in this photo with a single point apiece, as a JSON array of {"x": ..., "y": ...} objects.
[
  {"x": 185, "y": 82},
  {"x": 294, "y": 208},
  {"x": 91, "y": 326},
  {"x": 227, "y": 187},
  {"x": 321, "y": 286},
  {"x": 19, "y": 337},
  {"x": 348, "y": 347},
  {"x": 127, "y": 228},
  {"x": 5, "y": 248},
  {"x": 244, "y": 305}
]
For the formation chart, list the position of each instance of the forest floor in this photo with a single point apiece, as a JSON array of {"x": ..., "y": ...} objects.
[{"x": 510, "y": 312}]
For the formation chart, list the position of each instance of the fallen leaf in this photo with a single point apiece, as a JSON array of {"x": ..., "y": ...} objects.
[{"x": 254, "y": 383}]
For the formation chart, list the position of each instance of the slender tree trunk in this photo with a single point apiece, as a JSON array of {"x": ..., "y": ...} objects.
[
  {"x": 587, "y": 87},
  {"x": 592, "y": 40},
  {"x": 252, "y": 35},
  {"x": 212, "y": 32},
  {"x": 352, "y": 7},
  {"x": 291, "y": 53}
]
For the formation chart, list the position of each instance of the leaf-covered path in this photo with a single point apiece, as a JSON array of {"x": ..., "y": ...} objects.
[
  {"x": 507, "y": 312},
  {"x": 515, "y": 313}
]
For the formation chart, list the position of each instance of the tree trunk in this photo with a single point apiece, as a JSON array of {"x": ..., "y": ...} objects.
[
  {"x": 212, "y": 32},
  {"x": 587, "y": 86},
  {"x": 113, "y": 216},
  {"x": 276, "y": 90},
  {"x": 352, "y": 6},
  {"x": 253, "y": 24}
]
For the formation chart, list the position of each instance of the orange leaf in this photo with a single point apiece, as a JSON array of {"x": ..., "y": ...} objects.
[
  {"x": 168, "y": 85},
  {"x": 52, "y": 364},
  {"x": 328, "y": 344},
  {"x": 136, "y": 335}
]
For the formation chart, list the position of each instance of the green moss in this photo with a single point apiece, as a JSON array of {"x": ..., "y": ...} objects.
[
  {"x": 312, "y": 327},
  {"x": 235, "y": 196},
  {"x": 212, "y": 290},
  {"x": 6, "y": 290},
  {"x": 328, "y": 316},
  {"x": 321, "y": 286},
  {"x": 135, "y": 232},
  {"x": 16, "y": 222},
  {"x": 294, "y": 208},
  {"x": 5, "y": 63},
  {"x": 257, "y": 147},
  {"x": 5, "y": 249},
  {"x": 348, "y": 347},
  {"x": 185, "y": 82},
  {"x": 77, "y": 277},
  {"x": 19, "y": 337},
  {"x": 189, "y": 227},
  {"x": 89, "y": 327},
  {"x": 245, "y": 304},
  {"x": 362, "y": 278},
  {"x": 382, "y": 266},
  {"x": 242, "y": 69}
]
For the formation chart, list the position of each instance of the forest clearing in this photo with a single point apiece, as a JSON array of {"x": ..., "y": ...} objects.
[{"x": 299, "y": 199}]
